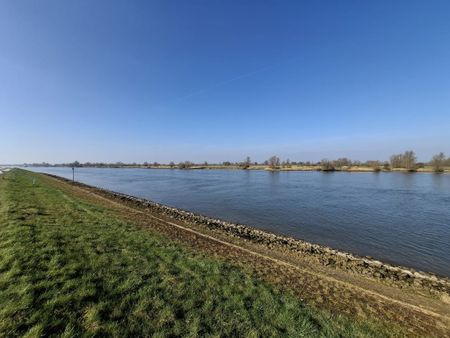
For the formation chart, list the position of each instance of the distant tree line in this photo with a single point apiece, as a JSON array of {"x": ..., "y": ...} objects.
[{"x": 406, "y": 161}]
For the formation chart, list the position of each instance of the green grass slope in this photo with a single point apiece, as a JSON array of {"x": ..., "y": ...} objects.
[{"x": 68, "y": 268}]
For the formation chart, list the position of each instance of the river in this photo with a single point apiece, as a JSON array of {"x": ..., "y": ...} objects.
[{"x": 398, "y": 218}]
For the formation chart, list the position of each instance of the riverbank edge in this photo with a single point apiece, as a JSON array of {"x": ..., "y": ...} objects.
[
  {"x": 396, "y": 275},
  {"x": 353, "y": 169}
]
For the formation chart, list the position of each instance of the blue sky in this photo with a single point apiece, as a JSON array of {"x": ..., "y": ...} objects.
[{"x": 220, "y": 80}]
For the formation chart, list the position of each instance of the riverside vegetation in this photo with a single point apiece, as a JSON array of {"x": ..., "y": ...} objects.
[
  {"x": 406, "y": 162},
  {"x": 73, "y": 267}
]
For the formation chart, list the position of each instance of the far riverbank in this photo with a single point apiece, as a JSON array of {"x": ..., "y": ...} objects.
[{"x": 426, "y": 169}]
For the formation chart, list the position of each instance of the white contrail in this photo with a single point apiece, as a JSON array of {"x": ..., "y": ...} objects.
[{"x": 222, "y": 83}]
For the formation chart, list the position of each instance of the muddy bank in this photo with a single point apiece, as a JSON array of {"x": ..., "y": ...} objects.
[{"x": 326, "y": 256}]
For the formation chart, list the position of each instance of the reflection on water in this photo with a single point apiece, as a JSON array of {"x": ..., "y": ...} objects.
[{"x": 396, "y": 217}]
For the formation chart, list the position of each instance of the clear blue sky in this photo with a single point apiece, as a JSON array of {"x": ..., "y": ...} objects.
[{"x": 220, "y": 80}]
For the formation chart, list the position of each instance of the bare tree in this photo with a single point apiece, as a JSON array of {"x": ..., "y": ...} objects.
[
  {"x": 409, "y": 160},
  {"x": 274, "y": 162},
  {"x": 406, "y": 160},
  {"x": 342, "y": 162},
  {"x": 396, "y": 160},
  {"x": 327, "y": 165},
  {"x": 185, "y": 165},
  {"x": 438, "y": 162},
  {"x": 171, "y": 164}
]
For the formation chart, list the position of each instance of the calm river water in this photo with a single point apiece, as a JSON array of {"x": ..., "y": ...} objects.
[{"x": 395, "y": 217}]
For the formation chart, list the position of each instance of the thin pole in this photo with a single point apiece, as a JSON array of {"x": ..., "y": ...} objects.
[{"x": 73, "y": 175}]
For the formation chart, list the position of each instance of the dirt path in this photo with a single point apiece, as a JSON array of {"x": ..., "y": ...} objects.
[{"x": 335, "y": 290}]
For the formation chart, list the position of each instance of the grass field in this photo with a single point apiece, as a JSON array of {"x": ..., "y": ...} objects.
[{"x": 69, "y": 268}]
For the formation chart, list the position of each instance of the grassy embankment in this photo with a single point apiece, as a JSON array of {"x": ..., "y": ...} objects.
[{"x": 69, "y": 267}]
